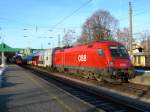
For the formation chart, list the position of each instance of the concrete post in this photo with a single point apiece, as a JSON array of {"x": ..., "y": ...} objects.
[{"x": 3, "y": 60}]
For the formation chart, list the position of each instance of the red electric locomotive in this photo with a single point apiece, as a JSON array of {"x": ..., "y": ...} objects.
[{"x": 106, "y": 60}]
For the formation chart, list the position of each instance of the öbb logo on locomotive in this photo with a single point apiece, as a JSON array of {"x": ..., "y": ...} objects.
[{"x": 82, "y": 58}]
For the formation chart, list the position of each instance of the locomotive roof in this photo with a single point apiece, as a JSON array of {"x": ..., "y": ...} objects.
[
  {"x": 109, "y": 42},
  {"x": 94, "y": 44},
  {"x": 103, "y": 43}
]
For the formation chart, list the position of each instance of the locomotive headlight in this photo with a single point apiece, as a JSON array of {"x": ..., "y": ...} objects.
[{"x": 111, "y": 64}]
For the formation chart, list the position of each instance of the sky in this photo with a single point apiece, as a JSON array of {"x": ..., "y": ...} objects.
[{"x": 34, "y": 23}]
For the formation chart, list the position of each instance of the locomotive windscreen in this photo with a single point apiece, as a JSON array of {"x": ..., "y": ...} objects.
[{"x": 118, "y": 51}]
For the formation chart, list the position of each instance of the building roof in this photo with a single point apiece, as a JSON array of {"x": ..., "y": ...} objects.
[{"x": 5, "y": 48}]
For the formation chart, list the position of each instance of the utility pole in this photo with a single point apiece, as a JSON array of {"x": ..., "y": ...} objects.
[
  {"x": 41, "y": 45},
  {"x": 130, "y": 34},
  {"x": 36, "y": 28},
  {"x": 147, "y": 41},
  {"x": 58, "y": 40},
  {"x": 2, "y": 52}
]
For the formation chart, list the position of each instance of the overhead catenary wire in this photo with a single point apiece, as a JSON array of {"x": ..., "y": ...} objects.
[
  {"x": 53, "y": 27},
  {"x": 65, "y": 18},
  {"x": 137, "y": 14},
  {"x": 16, "y": 21},
  {"x": 76, "y": 10}
]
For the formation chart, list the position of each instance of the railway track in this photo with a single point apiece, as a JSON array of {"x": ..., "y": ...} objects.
[
  {"x": 136, "y": 90},
  {"x": 99, "y": 98}
]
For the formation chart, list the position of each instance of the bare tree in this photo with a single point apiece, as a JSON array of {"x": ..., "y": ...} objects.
[
  {"x": 68, "y": 38},
  {"x": 83, "y": 39},
  {"x": 145, "y": 40},
  {"x": 100, "y": 26},
  {"x": 123, "y": 36}
]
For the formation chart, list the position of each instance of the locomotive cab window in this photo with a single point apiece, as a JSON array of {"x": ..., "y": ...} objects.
[
  {"x": 118, "y": 51},
  {"x": 100, "y": 51}
]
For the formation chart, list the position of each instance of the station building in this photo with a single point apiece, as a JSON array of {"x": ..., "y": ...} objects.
[{"x": 8, "y": 51}]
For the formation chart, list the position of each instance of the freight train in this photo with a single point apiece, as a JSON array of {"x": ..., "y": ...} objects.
[{"x": 105, "y": 60}]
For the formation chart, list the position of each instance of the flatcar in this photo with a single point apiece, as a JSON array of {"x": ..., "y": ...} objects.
[{"x": 106, "y": 60}]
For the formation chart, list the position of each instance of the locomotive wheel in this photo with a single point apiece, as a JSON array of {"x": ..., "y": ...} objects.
[
  {"x": 124, "y": 79},
  {"x": 87, "y": 75},
  {"x": 91, "y": 75},
  {"x": 99, "y": 78}
]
